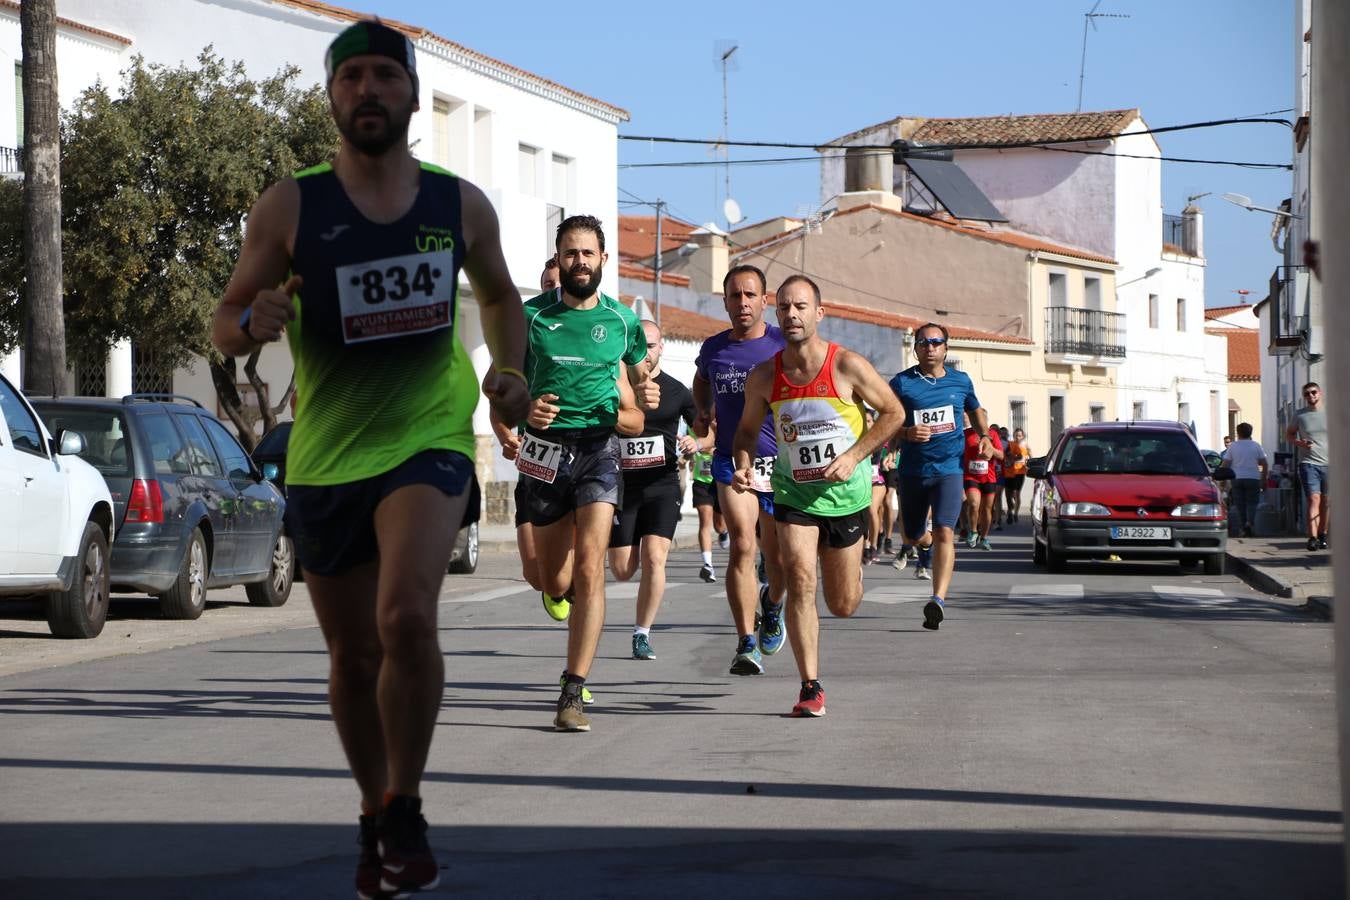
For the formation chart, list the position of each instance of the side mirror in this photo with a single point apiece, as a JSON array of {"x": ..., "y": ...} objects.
[
  {"x": 69, "y": 443},
  {"x": 270, "y": 471},
  {"x": 1223, "y": 473},
  {"x": 1036, "y": 467}
]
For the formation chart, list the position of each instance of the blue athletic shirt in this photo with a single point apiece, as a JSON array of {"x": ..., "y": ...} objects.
[{"x": 937, "y": 403}]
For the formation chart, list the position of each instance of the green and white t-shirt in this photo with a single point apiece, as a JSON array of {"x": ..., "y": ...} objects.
[{"x": 576, "y": 353}]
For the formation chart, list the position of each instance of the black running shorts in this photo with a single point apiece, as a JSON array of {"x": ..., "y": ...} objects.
[
  {"x": 837, "y": 532},
  {"x": 587, "y": 473},
  {"x": 652, "y": 507},
  {"x": 334, "y": 525},
  {"x": 705, "y": 494}
]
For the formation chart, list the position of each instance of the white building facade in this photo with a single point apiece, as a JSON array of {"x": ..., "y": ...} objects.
[
  {"x": 1111, "y": 205},
  {"x": 539, "y": 150}
]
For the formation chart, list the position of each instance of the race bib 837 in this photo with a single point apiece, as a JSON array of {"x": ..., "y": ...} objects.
[{"x": 396, "y": 296}]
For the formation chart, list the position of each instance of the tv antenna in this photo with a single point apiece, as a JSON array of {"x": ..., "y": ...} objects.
[
  {"x": 723, "y": 51},
  {"x": 1090, "y": 18}
]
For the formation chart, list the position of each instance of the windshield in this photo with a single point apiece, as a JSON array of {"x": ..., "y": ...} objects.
[
  {"x": 105, "y": 435},
  {"x": 1130, "y": 453}
]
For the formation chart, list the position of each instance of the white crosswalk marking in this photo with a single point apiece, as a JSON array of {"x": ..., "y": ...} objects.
[
  {"x": 1055, "y": 591},
  {"x": 1201, "y": 596},
  {"x": 494, "y": 594},
  {"x": 900, "y": 592}
]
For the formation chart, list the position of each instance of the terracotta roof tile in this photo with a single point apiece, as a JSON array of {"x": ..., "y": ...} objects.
[
  {"x": 637, "y": 235},
  {"x": 1018, "y": 129},
  {"x": 901, "y": 323},
  {"x": 1219, "y": 312},
  {"x": 1244, "y": 352},
  {"x": 78, "y": 26},
  {"x": 633, "y": 270},
  {"x": 416, "y": 32},
  {"x": 682, "y": 324}
]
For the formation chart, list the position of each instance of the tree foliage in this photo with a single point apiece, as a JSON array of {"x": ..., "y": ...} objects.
[{"x": 156, "y": 182}]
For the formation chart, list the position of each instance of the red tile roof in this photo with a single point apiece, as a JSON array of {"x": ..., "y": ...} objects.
[
  {"x": 1244, "y": 352},
  {"x": 78, "y": 26},
  {"x": 644, "y": 273},
  {"x": 416, "y": 32},
  {"x": 1219, "y": 312},
  {"x": 681, "y": 324},
  {"x": 637, "y": 236},
  {"x": 901, "y": 323},
  {"x": 1042, "y": 128}
]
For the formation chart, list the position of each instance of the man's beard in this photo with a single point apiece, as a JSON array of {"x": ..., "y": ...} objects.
[
  {"x": 576, "y": 287},
  {"x": 395, "y": 129}
]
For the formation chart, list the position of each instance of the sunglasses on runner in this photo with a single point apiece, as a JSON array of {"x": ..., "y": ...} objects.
[{"x": 929, "y": 342}]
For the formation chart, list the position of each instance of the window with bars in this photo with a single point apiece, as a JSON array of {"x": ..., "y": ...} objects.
[
  {"x": 1017, "y": 414},
  {"x": 91, "y": 375},
  {"x": 1096, "y": 412},
  {"x": 150, "y": 372}
]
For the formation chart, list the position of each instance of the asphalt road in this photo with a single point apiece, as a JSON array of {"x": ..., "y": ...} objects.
[{"x": 1122, "y": 730}]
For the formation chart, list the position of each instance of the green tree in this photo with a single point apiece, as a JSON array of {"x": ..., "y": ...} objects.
[{"x": 156, "y": 183}]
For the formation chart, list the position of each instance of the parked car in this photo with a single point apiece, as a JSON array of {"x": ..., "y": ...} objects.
[
  {"x": 270, "y": 454},
  {"x": 192, "y": 510},
  {"x": 56, "y": 520},
  {"x": 1131, "y": 489}
]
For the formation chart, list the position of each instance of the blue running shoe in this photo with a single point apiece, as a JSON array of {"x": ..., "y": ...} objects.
[
  {"x": 642, "y": 647},
  {"x": 748, "y": 659},
  {"x": 932, "y": 614},
  {"x": 771, "y": 630}
]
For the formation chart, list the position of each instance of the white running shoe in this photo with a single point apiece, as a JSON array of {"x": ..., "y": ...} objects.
[
  {"x": 901, "y": 560},
  {"x": 707, "y": 573},
  {"x": 922, "y": 573}
]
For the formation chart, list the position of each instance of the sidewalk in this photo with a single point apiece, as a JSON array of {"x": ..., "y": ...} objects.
[{"x": 1285, "y": 567}]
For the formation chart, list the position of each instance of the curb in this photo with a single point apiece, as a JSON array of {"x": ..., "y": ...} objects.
[{"x": 1317, "y": 604}]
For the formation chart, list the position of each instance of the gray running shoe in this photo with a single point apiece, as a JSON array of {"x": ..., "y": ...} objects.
[
  {"x": 571, "y": 715},
  {"x": 642, "y": 648},
  {"x": 922, "y": 573},
  {"x": 901, "y": 560}
]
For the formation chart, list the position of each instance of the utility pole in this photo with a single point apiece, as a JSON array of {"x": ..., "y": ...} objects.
[
  {"x": 44, "y": 358},
  {"x": 726, "y": 129},
  {"x": 1090, "y": 18},
  {"x": 656, "y": 291}
]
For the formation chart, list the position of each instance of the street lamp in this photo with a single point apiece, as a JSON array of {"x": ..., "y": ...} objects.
[
  {"x": 1245, "y": 202},
  {"x": 1149, "y": 274}
]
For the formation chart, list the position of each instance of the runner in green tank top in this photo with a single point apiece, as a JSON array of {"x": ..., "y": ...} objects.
[
  {"x": 822, "y": 480},
  {"x": 359, "y": 261}
]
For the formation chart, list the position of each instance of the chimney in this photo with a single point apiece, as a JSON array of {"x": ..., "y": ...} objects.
[
  {"x": 708, "y": 264},
  {"x": 868, "y": 169},
  {"x": 1193, "y": 230}
]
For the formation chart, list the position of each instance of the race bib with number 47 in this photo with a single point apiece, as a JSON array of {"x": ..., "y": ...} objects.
[
  {"x": 396, "y": 296},
  {"x": 539, "y": 458}
]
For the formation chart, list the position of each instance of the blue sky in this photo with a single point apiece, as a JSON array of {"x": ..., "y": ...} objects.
[{"x": 808, "y": 72}]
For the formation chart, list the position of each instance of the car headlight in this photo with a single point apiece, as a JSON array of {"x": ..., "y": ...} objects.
[
  {"x": 1083, "y": 509},
  {"x": 1198, "y": 511}
]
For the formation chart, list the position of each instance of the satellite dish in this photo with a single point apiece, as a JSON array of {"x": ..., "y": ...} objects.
[{"x": 732, "y": 210}]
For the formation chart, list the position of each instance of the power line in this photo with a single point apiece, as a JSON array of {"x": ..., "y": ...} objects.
[
  {"x": 732, "y": 162},
  {"x": 690, "y": 164}
]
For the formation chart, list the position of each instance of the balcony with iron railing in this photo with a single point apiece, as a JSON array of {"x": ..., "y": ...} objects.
[
  {"x": 1088, "y": 337},
  {"x": 11, "y": 161}
]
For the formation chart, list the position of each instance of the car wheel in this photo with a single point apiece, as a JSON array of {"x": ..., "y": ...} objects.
[
  {"x": 81, "y": 611},
  {"x": 1037, "y": 552},
  {"x": 276, "y": 590},
  {"x": 187, "y": 598},
  {"x": 466, "y": 551},
  {"x": 1054, "y": 562},
  {"x": 1214, "y": 563}
]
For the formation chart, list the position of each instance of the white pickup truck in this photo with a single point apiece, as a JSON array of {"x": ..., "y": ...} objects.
[{"x": 55, "y": 520}]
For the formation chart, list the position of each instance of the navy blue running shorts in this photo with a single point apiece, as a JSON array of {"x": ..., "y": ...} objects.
[
  {"x": 941, "y": 493},
  {"x": 587, "y": 473},
  {"x": 334, "y": 525}
]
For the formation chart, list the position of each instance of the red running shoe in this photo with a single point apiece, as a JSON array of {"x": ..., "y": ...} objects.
[
  {"x": 406, "y": 861},
  {"x": 811, "y": 703}
]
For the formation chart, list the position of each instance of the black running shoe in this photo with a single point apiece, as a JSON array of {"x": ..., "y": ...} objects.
[
  {"x": 1322, "y": 542},
  {"x": 368, "y": 866},
  {"x": 406, "y": 860},
  {"x": 1312, "y": 543},
  {"x": 932, "y": 615}
]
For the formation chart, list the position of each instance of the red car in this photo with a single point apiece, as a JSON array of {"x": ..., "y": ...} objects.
[{"x": 1137, "y": 490}]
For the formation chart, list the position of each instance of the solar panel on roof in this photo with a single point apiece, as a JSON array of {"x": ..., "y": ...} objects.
[{"x": 953, "y": 189}]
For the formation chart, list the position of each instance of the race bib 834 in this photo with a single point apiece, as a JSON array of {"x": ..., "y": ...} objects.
[{"x": 396, "y": 296}]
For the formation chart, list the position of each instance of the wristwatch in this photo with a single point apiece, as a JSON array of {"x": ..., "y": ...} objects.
[{"x": 244, "y": 321}]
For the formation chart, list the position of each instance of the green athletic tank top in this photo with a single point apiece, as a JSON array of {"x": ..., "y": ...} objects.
[
  {"x": 380, "y": 372},
  {"x": 814, "y": 425},
  {"x": 702, "y": 467},
  {"x": 575, "y": 354}
]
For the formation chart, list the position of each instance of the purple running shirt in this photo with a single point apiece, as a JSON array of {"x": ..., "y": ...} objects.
[{"x": 725, "y": 364}]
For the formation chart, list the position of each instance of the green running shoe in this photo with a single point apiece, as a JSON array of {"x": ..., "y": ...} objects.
[
  {"x": 642, "y": 648},
  {"x": 558, "y": 608},
  {"x": 748, "y": 659},
  {"x": 585, "y": 692}
]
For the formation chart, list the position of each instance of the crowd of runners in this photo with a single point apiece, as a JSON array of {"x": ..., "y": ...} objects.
[{"x": 799, "y": 452}]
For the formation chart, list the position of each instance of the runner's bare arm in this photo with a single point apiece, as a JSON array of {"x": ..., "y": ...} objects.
[
  {"x": 757, "y": 385},
  {"x": 853, "y": 371},
  {"x": 499, "y": 306},
  {"x": 703, "y": 405},
  {"x": 507, "y": 437},
  {"x": 264, "y": 261},
  {"x": 979, "y": 418},
  {"x": 632, "y": 420}
]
